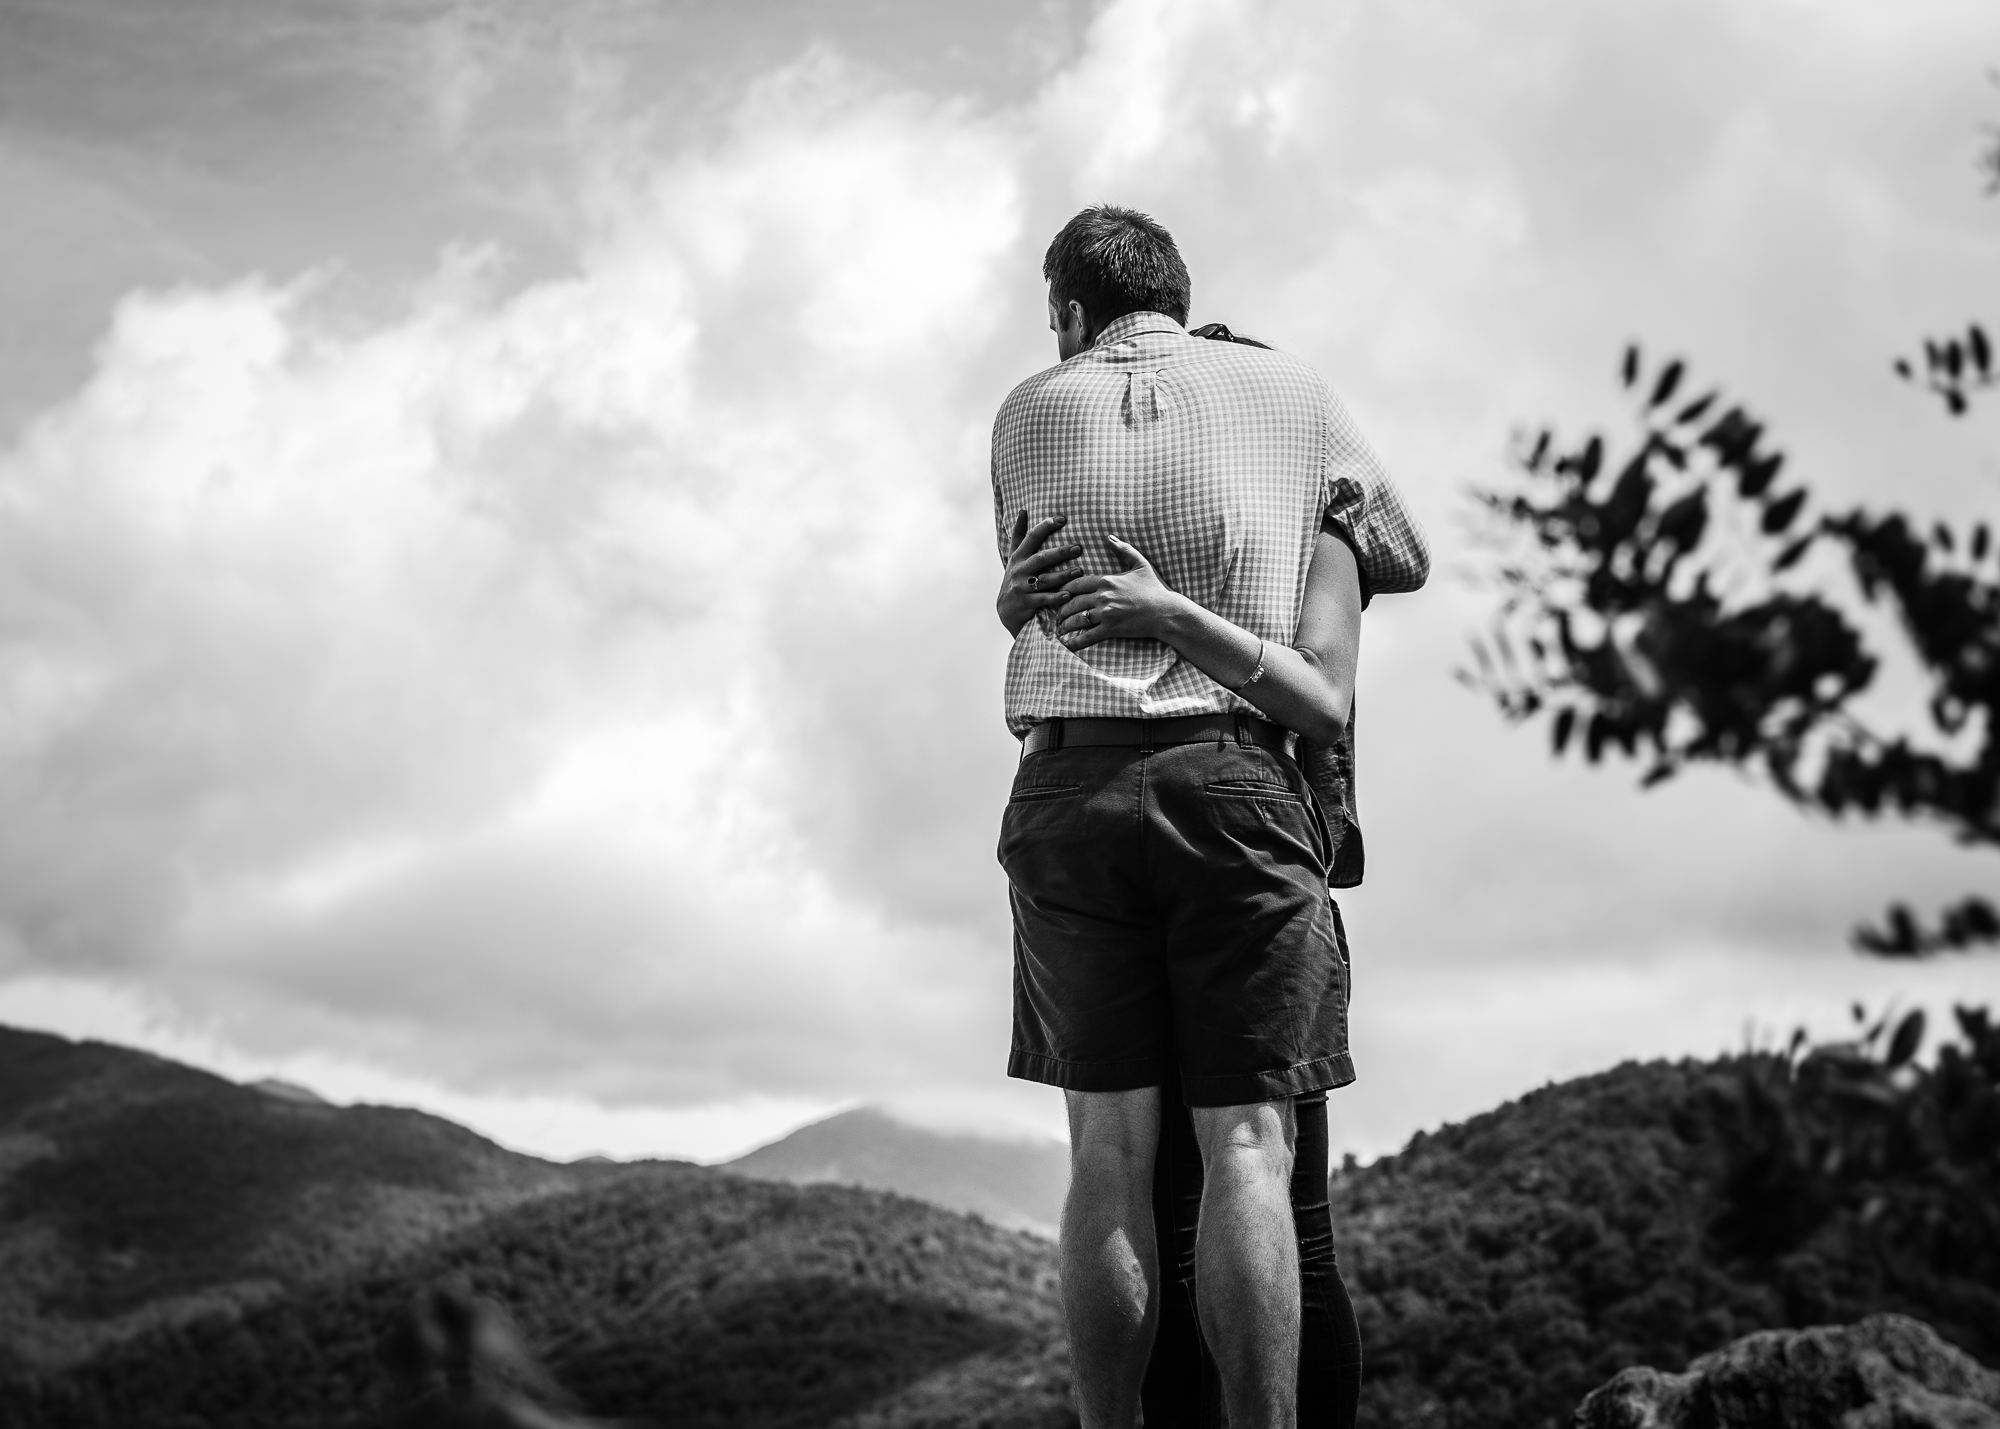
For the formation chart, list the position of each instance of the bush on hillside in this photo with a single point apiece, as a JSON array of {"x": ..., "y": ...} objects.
[{"x": 1504, "y": 1267}]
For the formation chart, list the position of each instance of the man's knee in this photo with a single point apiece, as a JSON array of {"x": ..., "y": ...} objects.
[
  {"x": 1253, "y": 1139},
  {"x": 1113, "y": 1133}
]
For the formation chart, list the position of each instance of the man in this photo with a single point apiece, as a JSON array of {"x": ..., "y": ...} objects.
[{"x": 1215, "y": 520}]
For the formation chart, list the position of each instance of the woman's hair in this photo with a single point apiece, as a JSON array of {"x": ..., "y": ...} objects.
[
  {"x": 1116, "y": 261},
  {"x": 1219, "y": 332}
]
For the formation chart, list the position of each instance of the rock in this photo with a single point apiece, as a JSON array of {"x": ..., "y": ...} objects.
[{"x": 1886, "y": 1372}]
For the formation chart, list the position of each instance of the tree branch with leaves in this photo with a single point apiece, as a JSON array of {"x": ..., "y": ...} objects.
[{"x": 1673, "y": 605}]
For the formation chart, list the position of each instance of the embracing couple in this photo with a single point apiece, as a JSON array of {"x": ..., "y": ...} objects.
[{"x": 1191, "y": 527}]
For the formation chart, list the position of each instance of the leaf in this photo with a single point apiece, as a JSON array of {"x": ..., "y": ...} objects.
[
  {"x": 1756, "y": 477},
  {"x": 1594, "y": 736},
  {"x": 1779, "y": 514},
  {"x": 1670, "y": 378},
  {"x": 1565, "y": 726},
  {"x": 1683, "y": 522},
  {"x": 1631, "y": 368},
  {"x": 1908, "y": 1037},
  {"x": 1619, "y": 516},
  {"x": 1695, "y": 408},
  {"x": 1954, "y": 358},
  {"x": 1982, "y": 351},
  {"x": 1972, "y": 921},
  {"x": 1901, "y": 939},
  {"x": 1954, "y": 402},
  {"x": 1592, "y": 458},
  {"x": 1789, "y": 557},
  {"x": 1903, "y": 370},
  {"x": 1732, "y": 436},
  {"x": 1541, "y": 451},
  {"x": 1981, "y": 539},
  {"x": 1941, "y": 536}
]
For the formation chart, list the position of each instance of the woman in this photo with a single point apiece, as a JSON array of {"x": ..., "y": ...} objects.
[{"x": 1182, "y": 1388}]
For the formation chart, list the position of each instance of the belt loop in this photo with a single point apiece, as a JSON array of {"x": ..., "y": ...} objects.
[
  {"x": 1057, "y": 722},
  {"x": 1242, "y": 731},
  {"x": 1145, "y": 736}
]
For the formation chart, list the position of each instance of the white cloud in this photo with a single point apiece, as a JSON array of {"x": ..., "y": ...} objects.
[
  {"x": 585, "y": 687},
  {"x": 417, "y": 683}
]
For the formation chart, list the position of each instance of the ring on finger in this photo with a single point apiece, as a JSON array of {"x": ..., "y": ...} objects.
[{"x": 1034, "y": 582}]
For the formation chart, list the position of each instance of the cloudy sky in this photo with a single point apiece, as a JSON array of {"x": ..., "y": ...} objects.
[{"x": 495, "y": 559}]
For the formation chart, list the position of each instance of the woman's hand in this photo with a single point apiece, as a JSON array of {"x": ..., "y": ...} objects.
[
  {"x": 1134, "y": 604},
  {"x": 1031, "y": 582},
  {"x": 1307, "y": 686}
]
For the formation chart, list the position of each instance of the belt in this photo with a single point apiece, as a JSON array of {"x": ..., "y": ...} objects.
[{"x": 1156, "y": 733}]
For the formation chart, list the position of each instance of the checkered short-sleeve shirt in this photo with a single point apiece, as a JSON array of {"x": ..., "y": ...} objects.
[{"x": 1220, "y": 462}]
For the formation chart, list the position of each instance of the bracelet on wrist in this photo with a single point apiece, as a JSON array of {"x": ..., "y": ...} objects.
[{"x": 1254, "y": 676}]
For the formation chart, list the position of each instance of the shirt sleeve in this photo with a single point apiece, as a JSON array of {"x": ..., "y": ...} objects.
[
  {"x": 1000, "y": 525},
  {"x": 1364, "y": 509}
]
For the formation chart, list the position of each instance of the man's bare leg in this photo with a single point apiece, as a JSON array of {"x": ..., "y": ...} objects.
[
  {"x": 1110, "y": 1263},
  {"x": 1247, "y": 1260}
]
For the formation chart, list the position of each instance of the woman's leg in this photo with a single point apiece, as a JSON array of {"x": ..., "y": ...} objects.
[
  {"x": 1182, "y": 1390},
  {"x": 1329, "y": 1337}
]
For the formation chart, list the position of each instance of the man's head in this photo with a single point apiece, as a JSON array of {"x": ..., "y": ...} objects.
[{"x": 1107, "y": 262}]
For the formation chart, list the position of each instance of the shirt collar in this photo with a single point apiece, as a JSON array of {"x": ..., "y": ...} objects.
[{"x": 1132, "y": 324}]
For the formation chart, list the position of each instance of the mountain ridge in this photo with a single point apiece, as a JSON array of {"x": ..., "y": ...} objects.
[
  {"x": 1501, "y": 1267},
  {"x": 108, "y": 1225}
]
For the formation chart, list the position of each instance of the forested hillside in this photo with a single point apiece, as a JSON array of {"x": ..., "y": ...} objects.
[
  {"x": 669, "y": 1296},
  {"x": 134, "y": 1190},
  {"x": 178, "y": 1249},
  {"x": 1504, "y": 1267}
]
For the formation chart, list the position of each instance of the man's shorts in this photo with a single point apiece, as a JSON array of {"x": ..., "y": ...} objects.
[{"x": 1172, "y": 922}]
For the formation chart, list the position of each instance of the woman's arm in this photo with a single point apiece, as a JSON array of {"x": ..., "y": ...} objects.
[{"x": 1307, "y": 686}]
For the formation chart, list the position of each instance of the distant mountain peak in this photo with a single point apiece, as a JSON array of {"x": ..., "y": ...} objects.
[
  {"x": 1014, "y": 1183},
  {"x": 288, "y": 1091}
]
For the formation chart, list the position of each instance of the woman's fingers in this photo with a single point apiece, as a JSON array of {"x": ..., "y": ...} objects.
[
  {"x": 1088, "y": 617},
  {"x": 1133, "y": 559},
  {"x": 1082, "y": 597},
  {"x": 1030, "y": 538},
  {"x": 1049, "y": 556},
  {"x": 1050, "y": 583}
]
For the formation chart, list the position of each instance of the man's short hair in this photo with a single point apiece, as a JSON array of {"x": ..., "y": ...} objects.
[{"x": 1116, "y": 261}]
